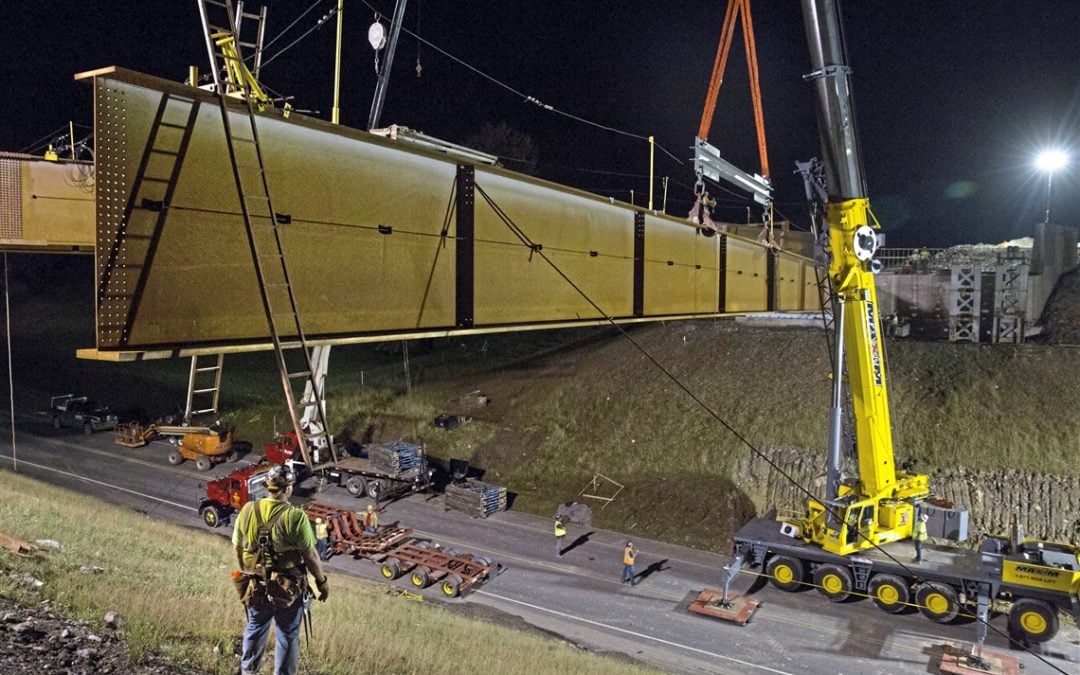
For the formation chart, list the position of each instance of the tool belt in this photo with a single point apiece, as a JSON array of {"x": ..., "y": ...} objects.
[{"x": 278, "y": 590}]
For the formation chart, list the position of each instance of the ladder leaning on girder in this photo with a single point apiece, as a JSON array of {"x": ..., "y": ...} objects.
[{"x": 264, "y": 225}]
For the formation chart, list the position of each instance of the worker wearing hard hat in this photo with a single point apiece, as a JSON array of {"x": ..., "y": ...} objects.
[
  {"x": 918, "y": 535},
  {"x": 560, "y": 535},
  {"x": 322, "y": 539},
  {"x": 371, "y": 520},
  {"x": 628, "y": 557}
]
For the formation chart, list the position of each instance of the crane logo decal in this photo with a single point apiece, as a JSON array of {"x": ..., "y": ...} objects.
[{"x": 875, "y": 347}]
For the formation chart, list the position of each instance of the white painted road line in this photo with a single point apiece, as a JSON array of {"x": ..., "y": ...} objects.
[
  {"x": 104, "y": 484},
  {"x": 635, "y": 634}
]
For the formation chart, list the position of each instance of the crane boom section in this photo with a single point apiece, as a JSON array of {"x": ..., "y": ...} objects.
[
  {"x": 855, "y": 288},
  {"x": 879, "y": 507}
]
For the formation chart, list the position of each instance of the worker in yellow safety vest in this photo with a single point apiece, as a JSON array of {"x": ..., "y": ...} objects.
[
  {"x": 560, "y": 535},
  {"x": 918, "y": 535},
  {"x": 628, "y": 556},
  {"x": 371, "y": 520},
  {"x": 322, "y": 539}
]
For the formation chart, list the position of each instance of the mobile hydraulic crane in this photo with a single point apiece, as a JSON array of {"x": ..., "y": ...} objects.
[{"x": 846, "y": 543}]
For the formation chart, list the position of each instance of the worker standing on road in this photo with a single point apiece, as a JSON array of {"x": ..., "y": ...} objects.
[
  {"x": 560, "y": 535},
  {"x": 628, "y": 556},
  {"x": 322, "y": 539},
  {"x": 919, "y": 535},
  {"x": 276, "y": 551},
  {"x": 371, "y": 520}
]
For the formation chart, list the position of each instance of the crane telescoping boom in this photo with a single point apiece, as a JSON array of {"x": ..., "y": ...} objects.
[{"x": 879, "y": 507}]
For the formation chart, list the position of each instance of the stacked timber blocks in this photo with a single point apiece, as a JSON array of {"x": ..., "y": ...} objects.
[
  {"x": 395, "y": 458},
  {"x": 475, "y": 497}
]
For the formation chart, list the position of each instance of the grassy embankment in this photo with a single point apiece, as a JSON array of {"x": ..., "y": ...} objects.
[{"x": 171, "y": 587}]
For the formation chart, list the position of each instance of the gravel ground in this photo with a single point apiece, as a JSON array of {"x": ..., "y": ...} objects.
[{"x": 37, "y": 640}]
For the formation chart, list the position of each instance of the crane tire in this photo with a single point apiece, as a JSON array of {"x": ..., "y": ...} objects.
[
  {"x": 1033, "y": 620},
  {"x": 786, "y": 573},
  {"x": 937, "y": 602},
  {"x": 834, "y": 582},
  {"x": 890, "y": 593}
]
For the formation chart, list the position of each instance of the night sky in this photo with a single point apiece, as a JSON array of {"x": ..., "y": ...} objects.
[{"x": 953, "y": 99}]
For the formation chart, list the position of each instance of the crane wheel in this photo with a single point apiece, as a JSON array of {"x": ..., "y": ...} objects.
[
  {"x": 355, "y": 486},
  {"x": 450, "y": 586},
  {"x": 420, "y": 577},
  {"x": 1033, "y": 620},
  {"x": 786, "y": 573},
  {"x": 937, "y": 602},
  {"x": 834, "y": 582},
  {"x": 391, "y": 569},
  {"x": 890, "y": 593},
  {"x": 175, "y": 457},
  {"x": 203, "y": 463}
]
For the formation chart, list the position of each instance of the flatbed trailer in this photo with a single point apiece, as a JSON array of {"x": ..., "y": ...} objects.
[
  {"x": 1039, "y": 579},
  {"x": 397, "y": 552},
  {"x": 360, "y": 476}
]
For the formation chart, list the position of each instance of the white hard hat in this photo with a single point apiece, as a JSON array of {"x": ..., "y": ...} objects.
[{"x": 924, "y": 517}]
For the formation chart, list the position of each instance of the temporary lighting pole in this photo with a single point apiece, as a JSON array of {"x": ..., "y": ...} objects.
[
  {"x": 1048, "y": 162},
  {"x": 335, "y": 116},
  {"x": 384, "y": 76}
]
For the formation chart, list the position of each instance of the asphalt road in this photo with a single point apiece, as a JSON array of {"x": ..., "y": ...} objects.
[{"x": 578, "y": 595}]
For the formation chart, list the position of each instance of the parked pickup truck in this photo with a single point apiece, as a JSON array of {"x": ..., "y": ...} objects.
[{"x": 78, "y": 411}]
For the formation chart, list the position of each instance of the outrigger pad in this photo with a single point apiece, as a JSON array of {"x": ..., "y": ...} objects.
[
  {"x": 957, "y": 660},
  {"x": 738, "y": 609}
]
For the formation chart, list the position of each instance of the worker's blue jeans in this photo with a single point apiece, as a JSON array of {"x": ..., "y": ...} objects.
[
  {"x": 286, "y": 640},
  {"x": 918, "y": 550},
  {"x": 628, "y": 574}
]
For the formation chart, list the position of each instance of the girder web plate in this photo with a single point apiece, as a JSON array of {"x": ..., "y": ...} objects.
[{"x": 366, "y": 248}]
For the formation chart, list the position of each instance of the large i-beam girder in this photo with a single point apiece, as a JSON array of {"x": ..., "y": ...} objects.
[{"x": 381, "y": 240}]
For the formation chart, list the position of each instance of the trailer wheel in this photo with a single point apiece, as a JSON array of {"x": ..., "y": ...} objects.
[
  {"x": 890, "y": 593},
  {"x": 834, "y": 582},
  {"x": 1033, "y": 620},
  {"x": 87, "y": 428},
  {"x": 211, "y": 515},
  {"x": 937, "y": 602},
  {"x": 375, "y": 488},
  {"x": 391, "y": 569},
  {"x": 786, "y": 573},
  {"x": 452, "y": 553},
  {"x": 451, "y": 585},
  {"x": 175, "y": 457},
  {"x": 355, "y": 486},
  {"x": 56, "y": 422},
  {"x": 482, "y": 562},
  {"x": 420, "y": 577},
  {"x": 203, "y": 463}
]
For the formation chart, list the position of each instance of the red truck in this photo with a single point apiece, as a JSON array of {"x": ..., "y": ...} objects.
[{"x": 224, "y": 496}]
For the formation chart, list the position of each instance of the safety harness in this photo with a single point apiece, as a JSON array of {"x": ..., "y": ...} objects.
[{"x": 267, "y": 586}]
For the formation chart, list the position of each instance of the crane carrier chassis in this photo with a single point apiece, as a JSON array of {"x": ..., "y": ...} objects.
[{"x": 1039, "y": 578}]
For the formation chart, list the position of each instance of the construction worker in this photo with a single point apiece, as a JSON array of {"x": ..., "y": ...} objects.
[
  {"x": 918, "y": 535},
  {"x": 560, "y": 535},
  {"x": 322, "y": 539},
  {"x": 628, "y": 556},
  {"x": 371, "y": 520},
  {"x": 275, "y": 568}
]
